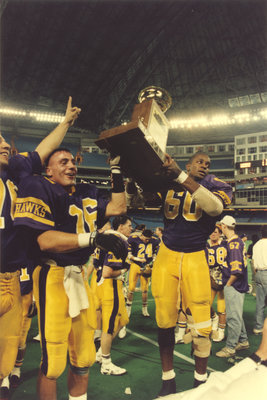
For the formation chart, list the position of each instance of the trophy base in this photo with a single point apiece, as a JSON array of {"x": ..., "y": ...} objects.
[{"x": 141, "y": 158}]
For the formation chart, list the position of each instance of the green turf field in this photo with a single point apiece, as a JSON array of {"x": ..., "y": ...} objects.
[{"x": 139, "y": 354}]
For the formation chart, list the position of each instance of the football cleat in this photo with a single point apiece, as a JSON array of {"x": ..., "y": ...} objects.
[
  {"x": 145, "y": 313},
  {"x": 112, "y": 369},
  {"x": 98, "y": 357},
  {"x": 122, "y": 333},
  {"x": 14, "y": 381},
  {"x": 197, "y": 383},
  {"x": 168, "y": 387}
]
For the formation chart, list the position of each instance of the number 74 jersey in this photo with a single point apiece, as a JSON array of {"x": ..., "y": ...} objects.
[{"x": 186, "y": 226}]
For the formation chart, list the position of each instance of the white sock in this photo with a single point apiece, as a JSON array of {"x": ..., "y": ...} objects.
[
  {"x": 181, "y": 331},
  {"x": 82, "y": 397},
  {"x": 106, "y": 359},
  {"x": 5, "y": 382},
  {"x": 166, "y": 376},
  {"x": 200, "y": 377},
  {"x": 97, "y": 333},
  {"x": 16, "y": 371}
]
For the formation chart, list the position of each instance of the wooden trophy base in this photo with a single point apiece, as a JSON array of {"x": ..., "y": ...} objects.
[{"x": 141, "y": 157}]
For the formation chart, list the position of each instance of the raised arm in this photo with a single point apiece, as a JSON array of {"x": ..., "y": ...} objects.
[
  {"x": 117, "y": 204},
  {"x": 54, "y": 139},
  {"x": 208, "y": 201}
]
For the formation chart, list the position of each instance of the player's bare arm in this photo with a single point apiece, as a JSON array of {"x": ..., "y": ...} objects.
[
  {"x": 63, "y": 242},
  {"x": 117, "y": 204},
  {"x": 54, "y": 139}
]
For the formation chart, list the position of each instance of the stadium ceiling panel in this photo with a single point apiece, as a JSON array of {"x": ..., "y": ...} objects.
[{"x": 104, "y": 52}]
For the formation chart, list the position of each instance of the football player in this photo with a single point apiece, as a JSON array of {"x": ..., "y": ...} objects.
[
  {"x": 191, "y": 208},
  {"x": 95, "y": 271},
  {"x": 11, "y": 172},
  {"x": 142, "y": 250},
  {"x": 216, "y": 254},
  {"x": 61, "y": 225},
  {"x": 111, "y": 298}
]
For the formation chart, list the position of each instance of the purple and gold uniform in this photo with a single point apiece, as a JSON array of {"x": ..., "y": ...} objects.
[
  {"x": 44, "y": 205},
  {"x": 236, "y": 264},
  {"x": 141, "y": 250},
  {"x": 216, "y": 255},
  {"x": 12, "y": 257},
  {"x": 114, "y": 314},
  {"x": 181, "y": 266}
]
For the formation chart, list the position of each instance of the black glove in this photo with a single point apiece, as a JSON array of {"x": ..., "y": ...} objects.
[
  {"x": 32, "y": 311},
  {"x": 113, "y": 243}
]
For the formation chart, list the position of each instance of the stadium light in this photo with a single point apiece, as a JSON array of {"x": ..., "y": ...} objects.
[
  {"x": 222, "y": 119},
  {"x": 37, "y": 116}
]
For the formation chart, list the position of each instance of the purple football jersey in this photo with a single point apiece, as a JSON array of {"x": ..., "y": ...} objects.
[
  {"x": 20, "y": 166},
  {"x": 44, "y": 205},
  {"x": 186, "y": 226}
]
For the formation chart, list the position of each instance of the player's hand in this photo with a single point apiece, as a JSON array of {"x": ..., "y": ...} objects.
[
  {"x": 113, "y": 243},
  {"x": 131, "y": 187},
  {"x": 141, "y": 259},
  {"x": 171, "y": 168},
  {"x": 114, "y": 160},
  {"x": 32, "y": 311},
  {"x": 72, "y": 113}
]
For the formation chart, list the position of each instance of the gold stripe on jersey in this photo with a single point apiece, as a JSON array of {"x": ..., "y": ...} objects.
[
  {"x": 223, "y": 196},
  {"x": 33, "y": 208},
  {"x": 50, "y": 180}
]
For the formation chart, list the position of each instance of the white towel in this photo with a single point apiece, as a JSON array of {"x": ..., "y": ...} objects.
[{"x": 75, "y": 290}]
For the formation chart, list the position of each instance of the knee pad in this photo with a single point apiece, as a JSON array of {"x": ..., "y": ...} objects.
[
  {"x": 201, "y": 346},
  {"x": 79, "y": 370},
  {"x": 166, "y": 337}
]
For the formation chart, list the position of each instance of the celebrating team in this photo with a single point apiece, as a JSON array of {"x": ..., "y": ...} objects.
[{"x": 54, "y": 224}]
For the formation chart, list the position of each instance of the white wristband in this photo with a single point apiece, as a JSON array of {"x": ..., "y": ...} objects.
[
  {"x": 84, "y": 239},
  {"x": 181, "y": 178}
]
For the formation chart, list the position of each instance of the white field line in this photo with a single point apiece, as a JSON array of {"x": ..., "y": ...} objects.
[{"x": 176, "y": 353}]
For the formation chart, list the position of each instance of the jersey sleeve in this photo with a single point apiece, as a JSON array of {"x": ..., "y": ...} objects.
[
  {"x": 33, "y": 206},
  {"x": 218, "y": 187},
  {"x": 112, "y": 262},
  {"x": 25, "y": 164}
]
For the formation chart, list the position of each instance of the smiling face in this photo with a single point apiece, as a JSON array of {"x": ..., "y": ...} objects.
[
  {"x": 62, "y": 169},
  {"x": 4, "y": 152},
  {"x": 199, "y": 166}
]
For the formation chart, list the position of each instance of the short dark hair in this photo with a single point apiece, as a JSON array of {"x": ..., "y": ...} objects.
[
  {"x": 120, "y": 220},
  {"x": 140, "y": 227},
  {"x": 198, "y": 153},
  {"x": 219, "y": 228},
  {"x": 59, "y": 149},
  {"x": 147, "y": 233}
]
